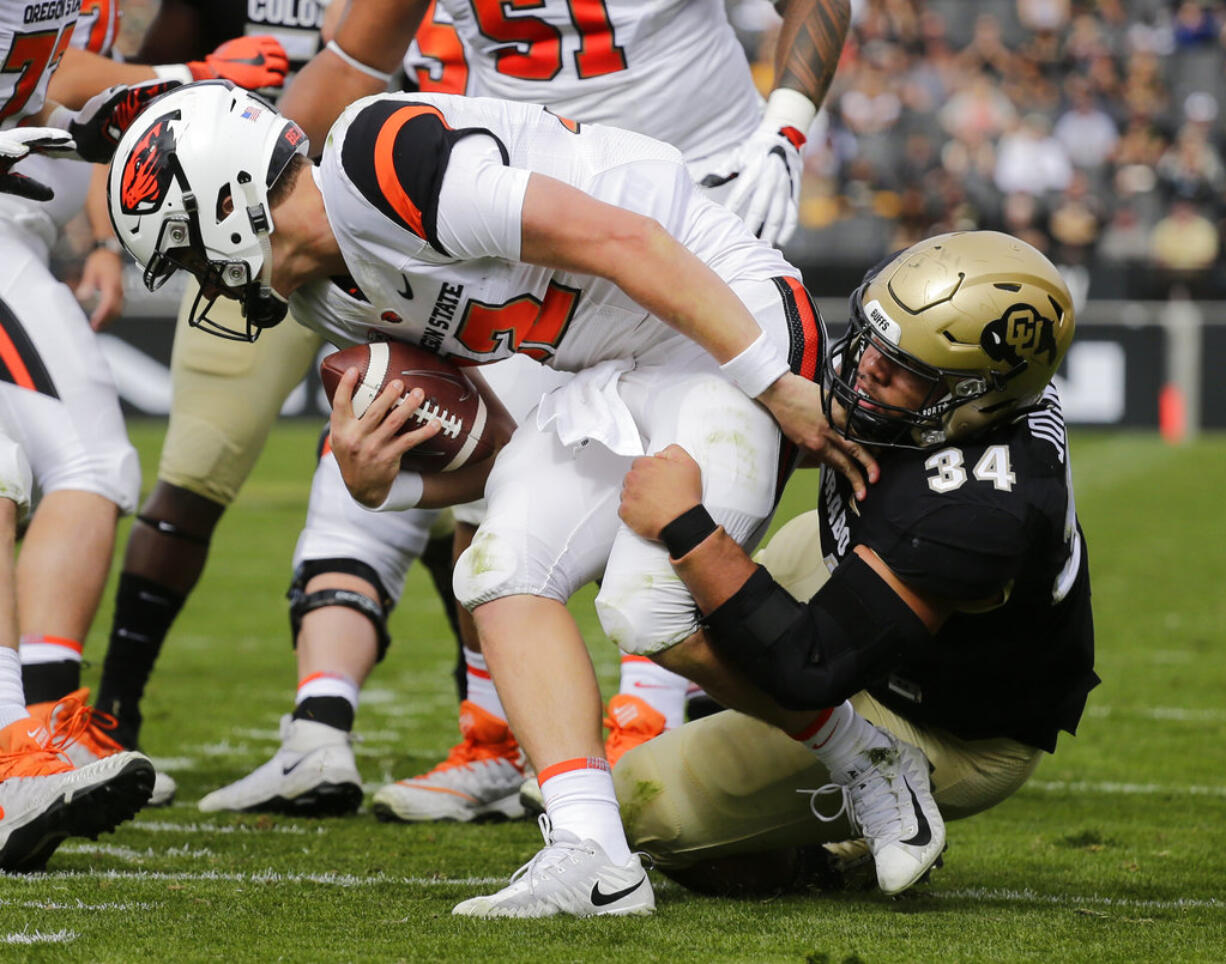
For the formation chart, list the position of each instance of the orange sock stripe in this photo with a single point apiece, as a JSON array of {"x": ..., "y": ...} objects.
[
  {"x": 32, "y": 639},
  {"x": 321, "y": 675},
  {"x": 566, "y": 766},
  {"x": 628, "y": 658},
  {"x": 817, "y": 724},
  {"x": 479, "y": 673}
]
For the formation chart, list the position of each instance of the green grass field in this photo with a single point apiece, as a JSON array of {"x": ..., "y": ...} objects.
[{"x": 1116, "y": 850}]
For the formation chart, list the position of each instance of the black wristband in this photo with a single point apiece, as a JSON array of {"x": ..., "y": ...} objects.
[{"x": 687, "y": 530}]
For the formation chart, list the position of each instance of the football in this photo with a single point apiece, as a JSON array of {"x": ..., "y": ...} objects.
[{"x": 472, "y": 430}]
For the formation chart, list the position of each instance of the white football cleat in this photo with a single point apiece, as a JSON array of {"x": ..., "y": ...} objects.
[
  {"x": 83, "y": 734},
  {"x": 888, "y": 797},
  {"x": 479, "y": 780},
  {"x": 568, "y": 876},
  {"x": 312, "y": 774}
]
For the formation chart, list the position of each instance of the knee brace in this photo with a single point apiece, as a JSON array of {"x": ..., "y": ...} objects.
[{"x": 302, "y": 602}]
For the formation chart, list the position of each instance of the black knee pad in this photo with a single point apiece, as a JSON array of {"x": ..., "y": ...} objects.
[{"x": 302, "y": 602}]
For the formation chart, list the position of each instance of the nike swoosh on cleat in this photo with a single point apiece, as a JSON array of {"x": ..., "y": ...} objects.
[
  {"x": 286, "y": 771},
  {"x": 600, "y": 899},
  {"x": 923, "y": 833}
]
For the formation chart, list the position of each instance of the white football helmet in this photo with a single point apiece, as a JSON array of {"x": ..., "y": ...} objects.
[{"x": 188, "y": 188}]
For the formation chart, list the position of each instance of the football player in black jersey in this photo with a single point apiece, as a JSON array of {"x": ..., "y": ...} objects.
[{"x": 955, "y": 620}]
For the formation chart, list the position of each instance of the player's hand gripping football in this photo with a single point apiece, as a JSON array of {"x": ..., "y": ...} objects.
[
  {"x": 100, "y": 123},
  {"x": 658, "y": 488},
  {"x": 252, "y": 62},
  {"x": 368, "y": 449},
  {"x": 20, "y": 142},
  {"x": 766, "y": 191},
  {"x": 796, "y": 404}
]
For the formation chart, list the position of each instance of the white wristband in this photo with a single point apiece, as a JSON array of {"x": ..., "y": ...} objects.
[
  {"x": 357, "y": 64},
  {"x": 60, "y": 117},
  {"x": 789, "y": 108},
  {"x": 757, "y": 368},
  {"x": 405, "y": 493},
  {"x": 180, "y": 72}
]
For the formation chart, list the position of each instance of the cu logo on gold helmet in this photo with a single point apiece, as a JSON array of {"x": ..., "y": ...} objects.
[{"x": 1021, "y": 334}]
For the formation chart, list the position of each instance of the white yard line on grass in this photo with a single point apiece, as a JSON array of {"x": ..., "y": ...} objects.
[
  {"x": 350, "y": 880},
  {"x": 1072, "y": 901},
  {"x": 127, "y": 853},
  {"x": 1180, "y": 714},
  {"x": 264, "y": 877},
  {"x": 125, "y": 906},
  {"x": 39, "y": 937},
  {"x": 166, "y": 826},
  {"x": 1126, "y": 789}
]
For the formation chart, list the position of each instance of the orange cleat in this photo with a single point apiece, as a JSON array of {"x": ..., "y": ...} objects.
[
  {"x": 45, "y": 799},
  {"x": 480, "y": 778},
  {"x": 84, "y": 735},
  {"x": 631, "y": 720}
]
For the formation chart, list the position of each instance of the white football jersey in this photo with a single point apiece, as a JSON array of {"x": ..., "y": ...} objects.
[
  {"x": 97, "y": 27},
  {"x": 424, "y": 194},
  {"x": 671, "y": 69},
  {"x": 33, "y": 37}
]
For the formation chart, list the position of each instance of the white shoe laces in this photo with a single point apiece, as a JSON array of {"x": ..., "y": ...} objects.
[
  {"x": 553, "y": 853},
  {"x": 871, "y": 801}
]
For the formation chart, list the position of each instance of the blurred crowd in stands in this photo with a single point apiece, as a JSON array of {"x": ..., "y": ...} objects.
[{"x": 1091, "y": 128}]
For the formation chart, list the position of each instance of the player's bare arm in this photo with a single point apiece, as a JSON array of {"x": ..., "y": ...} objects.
[
  {"x": 667, "y": 279},
  {"x": 368, "y": 46},
  {"x": 810, "y": 45}
]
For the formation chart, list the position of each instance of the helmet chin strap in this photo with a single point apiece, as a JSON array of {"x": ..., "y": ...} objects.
[{"x": 264, "y": 308}]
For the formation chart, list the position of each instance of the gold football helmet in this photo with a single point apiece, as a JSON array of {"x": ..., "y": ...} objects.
[{"x": 983, "y": 316}]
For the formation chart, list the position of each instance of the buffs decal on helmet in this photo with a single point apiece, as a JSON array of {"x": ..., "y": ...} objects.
[
  {"x": 1020, "y": 335},
  {"x": 147, "y": 173}
]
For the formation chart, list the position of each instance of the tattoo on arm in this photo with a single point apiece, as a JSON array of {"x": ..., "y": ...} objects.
[{"x": 810, "y": 44}]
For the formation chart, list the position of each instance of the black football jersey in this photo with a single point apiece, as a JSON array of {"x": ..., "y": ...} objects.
[{"x": 991, "y": 524}]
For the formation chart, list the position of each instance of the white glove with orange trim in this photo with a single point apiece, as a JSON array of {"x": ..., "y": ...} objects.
[{"x": 768, "y": 166}]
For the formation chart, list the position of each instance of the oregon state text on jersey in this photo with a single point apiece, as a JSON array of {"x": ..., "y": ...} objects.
[
  {"x": 32, "y": 41},
  {"x": 991, "y": 523},
  {"x": 671, "y": 69},
  {"x": 382, "y": 177}
]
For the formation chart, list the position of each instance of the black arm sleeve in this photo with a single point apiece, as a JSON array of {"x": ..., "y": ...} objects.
[{"x": 815, "y": 655}]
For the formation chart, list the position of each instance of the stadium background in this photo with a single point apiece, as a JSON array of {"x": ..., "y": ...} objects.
[{"x": 1091, "y": 128}]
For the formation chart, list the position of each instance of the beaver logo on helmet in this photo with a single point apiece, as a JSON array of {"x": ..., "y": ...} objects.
[
  {"x": 1020, "y": 333},
  {"x": 147, "y": 173}
]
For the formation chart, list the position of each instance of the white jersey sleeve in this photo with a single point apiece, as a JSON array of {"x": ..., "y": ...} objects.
[{"x": 481, "y": 202}]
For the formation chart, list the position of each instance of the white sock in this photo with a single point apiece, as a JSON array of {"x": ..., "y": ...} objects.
[
  {"x": 327, "y": 684},
  {"x": 37, "y": 649},
  {"x": 838, "y": 737},
  {"x": 662, "y": 690},
  {"x": 12, "y": 694},
  {"x": 480, "y": 686},
  {"x": 579, "y": 797}
]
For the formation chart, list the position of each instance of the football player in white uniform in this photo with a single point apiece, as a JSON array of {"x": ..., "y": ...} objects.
[
  {"x": 516, "y": 230},
  {"x": 60, "y": 390},
  {"x": 674, "y": 71},
  {"x": 44, "y": 798},
  {"x": 57, "y": 407}
]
